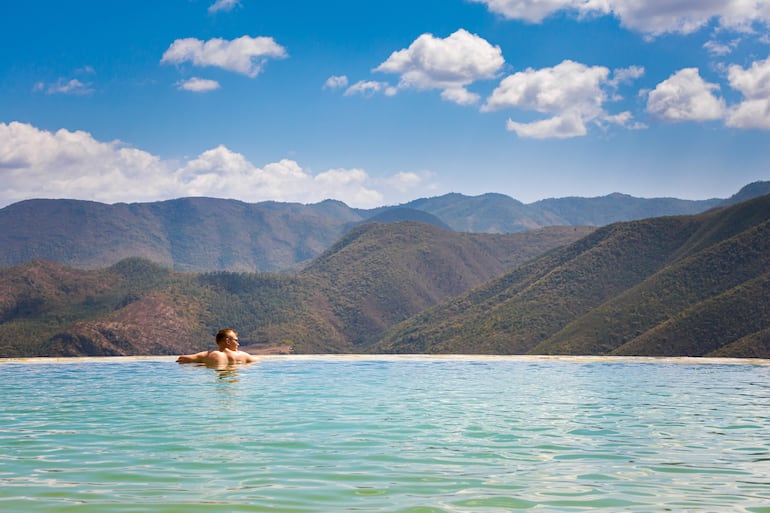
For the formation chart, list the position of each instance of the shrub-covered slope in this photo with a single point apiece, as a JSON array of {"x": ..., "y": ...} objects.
[
  {"x": 692, "y": 285},
  {"x": 377, "y": 275}
]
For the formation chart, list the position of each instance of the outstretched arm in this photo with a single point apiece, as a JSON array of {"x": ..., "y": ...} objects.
[
  {"x": 250, "y": 358},
  {"x": 193, "y": 358}
]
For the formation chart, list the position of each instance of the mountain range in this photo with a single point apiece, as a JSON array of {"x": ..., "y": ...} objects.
[
  {"x": 668, "y": 286},
  {"x": 377, "y": 275},
  {"x": 695, "y": 284},
  {"x": 207, "y": 234}
]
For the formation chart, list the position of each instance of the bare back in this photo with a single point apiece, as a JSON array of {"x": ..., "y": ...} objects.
[
  {"x": 219, "y": 357},
  {"x": 228, "y": 357}
]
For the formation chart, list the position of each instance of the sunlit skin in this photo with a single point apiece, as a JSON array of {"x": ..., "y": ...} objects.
[{"x": 227, "y": 352}]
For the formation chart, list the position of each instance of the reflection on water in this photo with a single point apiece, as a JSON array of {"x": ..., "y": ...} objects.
[
  {"x": 227, "y": 373},
  {"x": 378, "y": 435}
]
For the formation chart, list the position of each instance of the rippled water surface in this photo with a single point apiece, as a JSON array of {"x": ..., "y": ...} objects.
[{"x": 415, "y": 435}]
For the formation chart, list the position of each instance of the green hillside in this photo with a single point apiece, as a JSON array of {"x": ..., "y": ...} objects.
[
  {"x": 139, "y": 308},
  {"x": 694, "y": 285},
  {"x": 380, "y": 274},
  {"x": 685, "y": 285},
  {"x": 706, "y": 280},
  {"x": 377, "y": 275}
]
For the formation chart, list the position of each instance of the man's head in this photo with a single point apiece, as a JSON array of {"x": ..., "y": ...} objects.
[{"x": 227, "y": 338}]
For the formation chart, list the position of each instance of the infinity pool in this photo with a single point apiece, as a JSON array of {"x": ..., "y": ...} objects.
[{"x": 369, "y": 434}]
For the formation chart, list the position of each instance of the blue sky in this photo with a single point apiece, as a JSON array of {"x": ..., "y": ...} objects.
[{"x": 379, "y": 103}]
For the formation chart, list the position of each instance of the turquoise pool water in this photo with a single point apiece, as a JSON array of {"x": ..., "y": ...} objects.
[{"x": 416, "y": 435}]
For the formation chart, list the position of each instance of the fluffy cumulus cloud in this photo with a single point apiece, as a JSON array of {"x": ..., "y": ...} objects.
[
  {"x": 349, "y": 183},
  {"x": 652, "y": 17},
  {"x": 37, "y": 163},
  {"x": 533, "y": 11},
  {"x": 245, "y": 55},
  {"x": 222, "y": 172},
  {"x": 754, "y": 84},
  {"x": 449, "y": 64},
  {"x": 686, "y": 16},
  {"x": 571, "y": 93},
  {"x": 685, "y": 96}
]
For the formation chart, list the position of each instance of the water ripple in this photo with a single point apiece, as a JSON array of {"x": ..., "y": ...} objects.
[{"x": 413, "y": 435}]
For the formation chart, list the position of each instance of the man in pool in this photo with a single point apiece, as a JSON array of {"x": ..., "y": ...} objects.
[{"x": 226, "y": 354}]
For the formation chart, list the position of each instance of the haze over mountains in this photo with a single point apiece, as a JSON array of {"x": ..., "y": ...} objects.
[
  {"x": 666, "y": 285},
  {"x": 206, "y": 234}
]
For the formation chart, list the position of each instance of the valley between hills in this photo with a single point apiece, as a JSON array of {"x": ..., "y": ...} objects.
[{"x": 121, "y": 280}]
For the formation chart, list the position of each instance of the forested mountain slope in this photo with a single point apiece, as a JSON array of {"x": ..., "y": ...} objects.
[
  {"x": 691, "y": 285},
  {"x": 380, "y": 274},
  {"x": 377, "y": 275}
]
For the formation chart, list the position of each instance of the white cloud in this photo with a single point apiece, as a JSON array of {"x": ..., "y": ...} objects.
[
  {"x": 754, "y": 84},
  {"x": 199, "y": 85},
  {"x": 36, "y": 163},
  {"x": 557, "y": 127},
  {"x": 653, "y": 17},
  {"x": 625, "y": 75},
  {"x": 621, "y": 119},
  {"x": 624, "y": 119},
  {"x": 751, "y": 114},
  {"x": 720, "y": 48},
  {"x": 245, "y": 55},
  {"x": 687, "y": 16},
  {"x": 685, "y": 96},
  {"x": 408, "y": 181},
  {"x": 533, "y": 11},
  {"x": 64, "y": 86},
  {"x": 224, "y": 5},
  {"x": 460, "y": 95},
  {"x": 220, "y": 172},
  {"x": 571, "y": 92},
  {"x": 336, "y": 82},
  {"x": 366, "y": 88},
  {"x": 566, "y": 86},
  {"x": 348, "y": 183},
  {"x": 449, "y": 64}
]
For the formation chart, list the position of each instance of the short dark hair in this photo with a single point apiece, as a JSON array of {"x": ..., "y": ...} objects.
[{"x": 225, "y": 333}]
